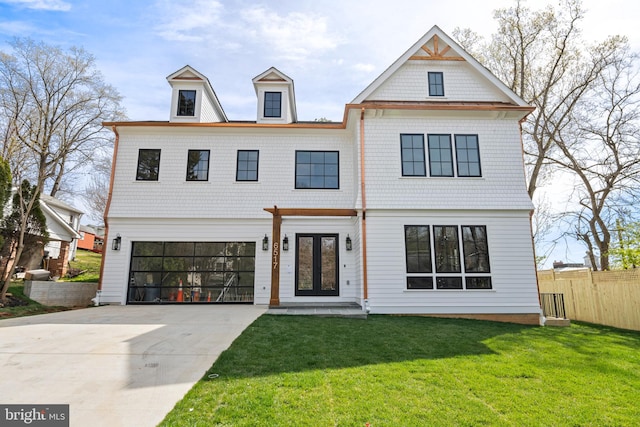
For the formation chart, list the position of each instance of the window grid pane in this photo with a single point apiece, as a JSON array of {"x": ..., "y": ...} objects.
[
  {"x": 440, "y": 155},
  {"x": 186, "y": 103},
  {"x": 468, "y": 155},
  {"x": 412, "y": 150},
  {"x": 198, "y": 165},
  {"x": 272, "y": 104},
  {"x": 419, "y": 282},
  {"x": 317, "y": 169},
  {"x": 247, "y": 169},
  {"x": 171, "y": 272},
  {"x": 148, "y": 165},
  {"x": 436, "y": 84},
  {"x": 418, "y": 248},
  {"x": 476, "y": 249},
  {"x": 447, "y": 251}
]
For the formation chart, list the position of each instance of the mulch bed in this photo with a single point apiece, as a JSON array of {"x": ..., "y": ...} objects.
[{"x": 11, "y": 301}]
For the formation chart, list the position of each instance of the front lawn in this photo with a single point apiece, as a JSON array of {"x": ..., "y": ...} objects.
[
  {"x": 86, "y": 262},
  {"x": 413, "y": 371}
]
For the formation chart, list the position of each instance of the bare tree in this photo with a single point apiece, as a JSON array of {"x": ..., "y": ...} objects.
[
  {"x": 52, "y": 104},
  {"x": 97, "y": 190},
  {"x": 541, "y": 56},
  {"x": 601, "y": 147}
]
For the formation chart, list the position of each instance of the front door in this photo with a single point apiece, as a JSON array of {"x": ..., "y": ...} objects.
[{"x": 317, "y": 264}]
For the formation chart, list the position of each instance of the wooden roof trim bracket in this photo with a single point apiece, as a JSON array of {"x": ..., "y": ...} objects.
[
  {"x": 278, "y": 213},
  {"x": 436, "y": 54}
]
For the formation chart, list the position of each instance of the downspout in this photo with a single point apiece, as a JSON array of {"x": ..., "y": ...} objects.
[
  {"x": 364, "y": 215},
  {"x": 106, "y": 209}
]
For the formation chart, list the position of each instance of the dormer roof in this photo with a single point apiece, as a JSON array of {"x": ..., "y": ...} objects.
[
  {"x": 436, "y": 45},
  {"x": 190, "y": 74},
  {"x": 273, "y": 76}
]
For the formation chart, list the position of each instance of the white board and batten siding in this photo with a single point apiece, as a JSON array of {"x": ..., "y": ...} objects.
[{"x": 514, "y": 289}]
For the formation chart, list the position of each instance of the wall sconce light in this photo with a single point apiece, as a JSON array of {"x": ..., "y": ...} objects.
[
  {"x": 285, "y": 243},
  {"x": 348, "y": 243},
  {"x": 115, "y": 245},
  {"x": 265, "y": 243}
]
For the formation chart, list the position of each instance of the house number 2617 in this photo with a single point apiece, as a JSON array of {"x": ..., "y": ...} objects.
[{"x": 275, "y": 255}]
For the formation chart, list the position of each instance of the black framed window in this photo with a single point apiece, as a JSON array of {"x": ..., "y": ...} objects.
[
  {"x": 468, "y": 155},
  {"x": 247, "y": 165},
  {"x": 436, "y": 84},
  {"x": 417, "y": 242},
  {"x": 440, "y": 155},
  {"x": 446, "y": 259},
  {"x": 412, "y": 149},
  {"x": 449, "y": 282},
  {"x": 447, "y": 248},
  {"x": 148, "y": 165},
  {"x": 419, "y": 282},
  {"x": 478, "y": 282},
  {"x": 272, "y": 104},
  {"x": 317, "y": 169},
  {"x": 476, "y": 249},
  {"x": 186, "y": 103},
  {"x": 198, "y": 165}
]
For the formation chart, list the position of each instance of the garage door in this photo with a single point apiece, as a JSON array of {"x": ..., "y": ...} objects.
[{"x": 191, "y": 272}]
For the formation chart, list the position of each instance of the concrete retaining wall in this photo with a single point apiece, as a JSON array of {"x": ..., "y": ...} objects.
[{"x": 67, "y": 294}]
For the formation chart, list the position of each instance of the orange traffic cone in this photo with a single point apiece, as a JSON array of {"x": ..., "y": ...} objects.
[
  {"x": 180, "y": 294},
  {"x": 209, "y": 297}
]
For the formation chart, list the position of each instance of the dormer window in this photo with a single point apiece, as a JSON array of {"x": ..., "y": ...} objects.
[
  {"x": 273, "y": 104},
  {"x": 436, "y": 84},
  {"x": 187, "y": 103}
]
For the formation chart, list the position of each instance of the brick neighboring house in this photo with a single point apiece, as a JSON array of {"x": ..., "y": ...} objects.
[{"x": 415, "y": 203}]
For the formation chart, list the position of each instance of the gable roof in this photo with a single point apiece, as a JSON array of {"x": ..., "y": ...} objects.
[
  {"x": 58, "y": 228},
  {"x": 188, "y": 73},
  {"x": 428, "y": 48},
  {"x": 273, "y": 75}
]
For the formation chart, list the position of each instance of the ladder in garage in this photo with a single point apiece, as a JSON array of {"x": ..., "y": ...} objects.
[{"x": 226, "y": 287}]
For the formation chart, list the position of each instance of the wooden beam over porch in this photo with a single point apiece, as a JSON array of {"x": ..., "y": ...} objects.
[
  {"x": 311, "y": 212},
  {"x": 278, "y": 213}
]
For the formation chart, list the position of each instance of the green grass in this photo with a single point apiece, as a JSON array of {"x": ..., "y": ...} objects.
[
  {"x": 30, "y": 309},
  {"x": 86, "y": 260},
  {"x": 413, "y": 371}
]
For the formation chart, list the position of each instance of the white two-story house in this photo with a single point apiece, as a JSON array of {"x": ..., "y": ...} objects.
[{"x": 414, "y": 204}]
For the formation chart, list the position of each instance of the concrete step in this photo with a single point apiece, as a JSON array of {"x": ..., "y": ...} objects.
[
  {"x": 555, "y": 321},
  {"x": 347, "y": 310}
]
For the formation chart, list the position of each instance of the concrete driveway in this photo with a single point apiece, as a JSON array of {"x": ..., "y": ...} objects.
[{"x": 115, "y": 365}]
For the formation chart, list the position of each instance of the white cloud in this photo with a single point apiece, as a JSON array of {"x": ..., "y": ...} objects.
[
  {"x": 366, "y": 68},
  {"x": 56, "y": 5},
  {"x": 190, "y": 21},
  {"x": 16, "y": 28},
  {"x": 294, "y": 36}
]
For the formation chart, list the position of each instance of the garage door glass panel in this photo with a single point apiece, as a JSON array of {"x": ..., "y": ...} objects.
[{"x": 192, "y": 272}]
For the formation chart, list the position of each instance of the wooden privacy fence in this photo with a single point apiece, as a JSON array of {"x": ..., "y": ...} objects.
[{"x": 609, "y": 298}]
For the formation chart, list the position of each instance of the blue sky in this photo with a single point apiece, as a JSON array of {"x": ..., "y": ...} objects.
[{"x": 332, "y": 49}]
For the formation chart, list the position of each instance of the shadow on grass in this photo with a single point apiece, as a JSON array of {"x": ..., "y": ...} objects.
[{"x": 279, "y": 344}]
